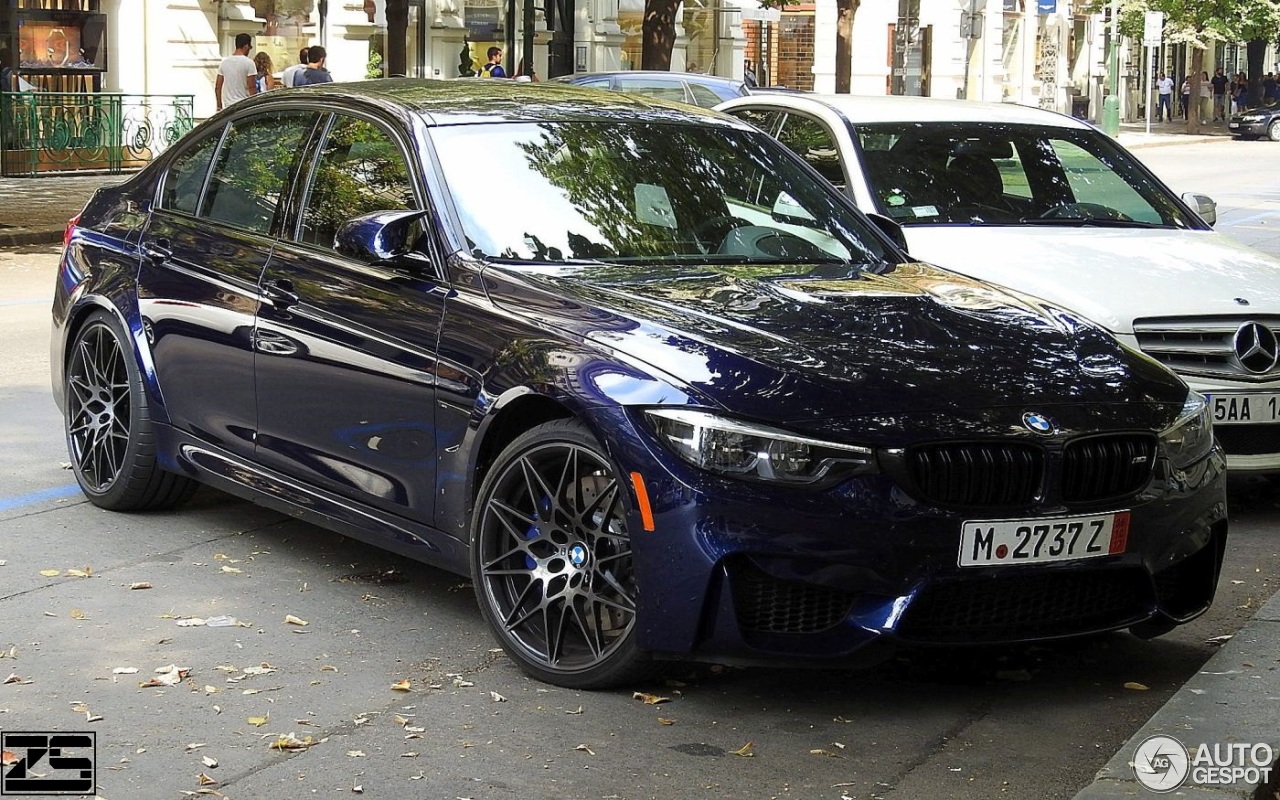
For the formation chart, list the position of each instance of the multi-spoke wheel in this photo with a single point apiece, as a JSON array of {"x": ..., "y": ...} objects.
[
  {"x": 551, "y": 559},
  {"x": 109, "y": 433}
]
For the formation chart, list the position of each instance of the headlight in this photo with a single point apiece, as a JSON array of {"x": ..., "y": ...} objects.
[
  {"x": 1190, "y": 437},
  {"x": 755, "y": 452}
]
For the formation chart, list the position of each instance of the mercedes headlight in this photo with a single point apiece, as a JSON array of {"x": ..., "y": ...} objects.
[
  {"x": 1190, "y": 437},
  {"x": 756, "y": 452}
]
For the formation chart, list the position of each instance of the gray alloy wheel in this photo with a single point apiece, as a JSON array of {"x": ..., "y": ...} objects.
[
  {"x": 108, "y": 427},
  {"x": 1273, "y": 130},
  {"x": 551, "y": 559}
]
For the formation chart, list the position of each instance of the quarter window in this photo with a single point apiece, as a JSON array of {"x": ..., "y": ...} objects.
[
  {"x": 186, "y": 175},
  {"x": 360, "y": 170},
  {"x": 253, "y": 168}
]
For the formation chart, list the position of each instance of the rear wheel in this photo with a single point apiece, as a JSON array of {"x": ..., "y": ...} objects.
[
  {"x": 108, "y": 426},
  {"x": 551, "y": 559}
]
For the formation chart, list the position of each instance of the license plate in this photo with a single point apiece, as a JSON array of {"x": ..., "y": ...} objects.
[
  {"x": 987, "y": 543},
  {"x": 1243, "y": 409},
  {"x": 1233, "y": 124}
]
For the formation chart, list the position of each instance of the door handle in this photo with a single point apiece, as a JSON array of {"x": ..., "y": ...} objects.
[
  {"x": 281, "y": 293},
  {"x": 158, "y": 250}
]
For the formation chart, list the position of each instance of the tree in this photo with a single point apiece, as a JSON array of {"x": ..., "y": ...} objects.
[
  {"x": 1197, "y": 23},
  {"x": 845, "y": 11},
  {"x": 659, "y": 33}
]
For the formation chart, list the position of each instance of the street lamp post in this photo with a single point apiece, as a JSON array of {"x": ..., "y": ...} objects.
[{"x": 1111, "y": 105}]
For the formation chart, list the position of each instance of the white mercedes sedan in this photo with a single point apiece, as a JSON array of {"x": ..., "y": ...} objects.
[{"x": 1050, "y": 206}]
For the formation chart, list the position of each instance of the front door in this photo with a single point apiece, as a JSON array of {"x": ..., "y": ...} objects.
[{"x": 346, "y": 364}]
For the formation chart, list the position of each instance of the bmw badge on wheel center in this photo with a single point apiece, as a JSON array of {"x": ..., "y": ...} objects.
[{"x": 679, "y": 400}]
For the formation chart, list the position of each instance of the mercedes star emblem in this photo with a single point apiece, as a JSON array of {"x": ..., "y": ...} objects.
[{"x": 1256, "y": 347}]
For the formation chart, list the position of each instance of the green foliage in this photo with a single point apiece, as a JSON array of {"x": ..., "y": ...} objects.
[
  {"x": 374, "y": 68},
  {"x": 1199, "y": 22}
]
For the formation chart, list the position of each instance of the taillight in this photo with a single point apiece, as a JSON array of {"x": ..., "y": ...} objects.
[{"x": 71, "y": 227}]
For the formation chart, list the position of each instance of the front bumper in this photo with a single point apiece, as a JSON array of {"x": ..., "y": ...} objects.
[
  {"x": 1239, "y": 128},
  {"x": 749, "y": 573}
]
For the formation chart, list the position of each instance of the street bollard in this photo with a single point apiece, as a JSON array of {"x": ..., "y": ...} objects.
[{"x": 1111, "y": 115}]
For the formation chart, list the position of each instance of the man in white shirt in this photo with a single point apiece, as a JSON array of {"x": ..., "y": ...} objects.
[
  {"x": 287, "y": 77},
  {"x": 1165, "y": 110},
  {"x": 236, "y": 73}
]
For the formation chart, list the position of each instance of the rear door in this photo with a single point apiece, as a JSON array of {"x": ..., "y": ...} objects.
[
  {"x": 346, "y": 364},
  {"x": 210, "y": 234}
]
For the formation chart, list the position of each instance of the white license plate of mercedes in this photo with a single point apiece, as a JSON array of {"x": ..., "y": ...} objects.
[
  {"x": 1244, "y": 409},
  {"x": 987, "y": 543}
]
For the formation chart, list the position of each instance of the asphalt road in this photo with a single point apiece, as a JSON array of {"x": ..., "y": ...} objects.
[{"x": 1022, "y": 723}]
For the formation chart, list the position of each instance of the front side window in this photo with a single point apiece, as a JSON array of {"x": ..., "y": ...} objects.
[
  {"x": 1001, "y": 174},
  {"x": 360, "y": 170},
  {"x": 814, "y": 142},
  {"x": 644, "y": 192},
  {"x": 255, "y": 162}
]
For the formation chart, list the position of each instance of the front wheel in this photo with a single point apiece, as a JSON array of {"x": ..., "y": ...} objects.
[
  {"x": 551, "y": 559},
  {"x": 1273, "y": 131},
  {"x": 108, "y": 425}
]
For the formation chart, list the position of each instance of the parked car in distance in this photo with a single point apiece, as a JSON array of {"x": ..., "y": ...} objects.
[
  {"x": 1257, "y": 123},
  {"x": 1048, "y": 205},
  {"x": 707, "y": 411},
  {"x": 693, "y": 88}
]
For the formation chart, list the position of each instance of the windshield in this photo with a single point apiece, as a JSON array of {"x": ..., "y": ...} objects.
[
  {"x": 638, "y": 192},
  {"x": 999, "y": 174}
]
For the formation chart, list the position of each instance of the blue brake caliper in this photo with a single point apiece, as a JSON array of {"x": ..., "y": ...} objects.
[{"x": 543, "y": 511}]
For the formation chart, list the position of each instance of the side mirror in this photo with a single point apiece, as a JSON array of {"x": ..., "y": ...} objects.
[
  {"x": 891, "y": 229},
  {"x": 378, "y": 236},
  {"x": 1202, "y": 205}
]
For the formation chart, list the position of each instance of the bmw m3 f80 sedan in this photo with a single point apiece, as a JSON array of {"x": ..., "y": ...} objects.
[{"x": 659, "y": 389}]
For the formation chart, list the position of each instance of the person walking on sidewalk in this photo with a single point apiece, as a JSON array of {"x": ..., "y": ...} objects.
[
  {"x": 1186, "y": 97},
  {"x": 291, "y": 72},
  {"x": 236, "y": 73},
  {"x": 1164, "y": 85},
  {"x": 315, "y": 71},
  {"x": 1220, "y": 83}
]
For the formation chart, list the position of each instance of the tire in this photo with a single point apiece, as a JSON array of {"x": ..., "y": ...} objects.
[
  {"x": 108, "y": 425},
  {"x": 551, "y": 560},
  {"x": 1273, "y": 131}
]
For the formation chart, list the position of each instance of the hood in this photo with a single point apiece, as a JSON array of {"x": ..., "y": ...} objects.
[
  {"x": 1112, "y": 276},
  {"x": 787, "y": 343}
]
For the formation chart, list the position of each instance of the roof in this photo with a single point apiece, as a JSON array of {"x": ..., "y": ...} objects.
[
  {"x": 691, "y": 77},
  {"x": 863, "y": 109},
  {"x": 473, "y": 100}
]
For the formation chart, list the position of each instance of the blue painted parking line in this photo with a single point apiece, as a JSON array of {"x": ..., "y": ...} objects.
[{"x": 39, "y": 496}]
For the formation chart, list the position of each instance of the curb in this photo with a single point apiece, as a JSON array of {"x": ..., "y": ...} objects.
[
  {"x": 1234, "y": 698},
  {"x": 30, "y": 236}
]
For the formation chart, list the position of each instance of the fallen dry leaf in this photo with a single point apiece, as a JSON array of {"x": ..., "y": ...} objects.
[
  {"x": 1137, "y": 687},
  {"x": 356, "y": 753},
  {"x": 196, "y": 745},
  {"x": 291, "y": 742},
  {"x": 140, "y": 585},
  {"x": 13, "y": 678},
  {"x": 51, "y": 573},
  {"x": 205, "y": 780},
  {"x": 649, "y": 699},
  {"x": 232, "y": 570},
  {"x": 78, "y": 614},
  {"x": 190, "y": 622},
  {"x": 827, "y": 753},
  {"x": 328, "y": 668},
  {"x": 577, "y": 710},
  {"x": 292, "y": 620},
  {"x": 209, "y": 761},
  {"x": 401, "y": 686},
  {"x": 7, "y": 757},
  {"x": 746, "y": 751},
  {"x": 89, "y": 716},
  {"x": 461, "y": 682},
  {"x": 125, "y": 671},
  {"x": 665, "y": 721},
  {"x": 585, "y": 749},
  {"x": 167, "y": 676},
  {"x": 497, "y": 698},
  {"x": 357, "y": 789},
  {"x": 80, "y": 573},
  {"x": 258, "y": 722},
  {"x": 262, "y": 669}
]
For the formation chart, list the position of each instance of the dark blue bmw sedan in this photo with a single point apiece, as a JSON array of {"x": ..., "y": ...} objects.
[{"x": 638, "y": 371}]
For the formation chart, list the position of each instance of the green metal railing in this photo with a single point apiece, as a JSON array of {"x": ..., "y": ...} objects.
[{"x": 62, "y": 131}]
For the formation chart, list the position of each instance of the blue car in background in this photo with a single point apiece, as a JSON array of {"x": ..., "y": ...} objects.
[
  {"x": 683, "y": 87},
  {"x": 654, "y": 385}
]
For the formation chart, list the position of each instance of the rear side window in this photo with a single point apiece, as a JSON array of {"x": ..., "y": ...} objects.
[
  {"x": 762, "y": 118},
  {"x": 704, "y": 96},
  {"x": 812, "y": 141},
  {"x": 185, "y": 179},
  {"x": 360, "y": 170},
  {"x": 256, "y": 160},
  {"x": 663, "y": 90}
]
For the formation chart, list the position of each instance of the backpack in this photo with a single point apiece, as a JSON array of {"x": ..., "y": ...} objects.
[{"x": 486, "y": 71}]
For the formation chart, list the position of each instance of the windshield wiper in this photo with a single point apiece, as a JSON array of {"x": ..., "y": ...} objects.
[{"x": 1088, "y": 222}]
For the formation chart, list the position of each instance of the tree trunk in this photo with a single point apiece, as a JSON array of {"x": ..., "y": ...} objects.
[
  {"x": 397, "y": 38},
  {"x": 659, "y": 34},
  {"x": 1193, "y": 113},
  {"x": 845, "y": 9},
  {"x": 1256, "y": 51}
]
